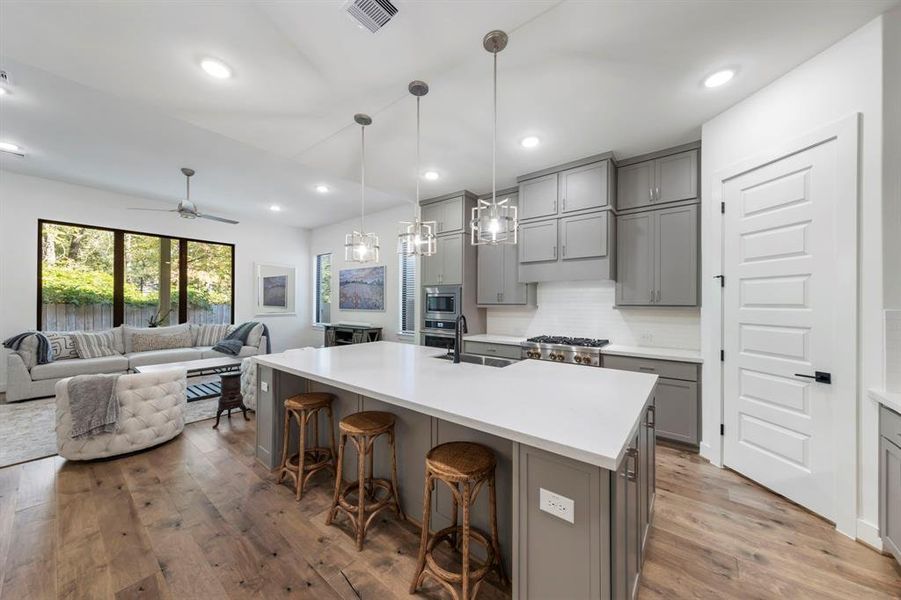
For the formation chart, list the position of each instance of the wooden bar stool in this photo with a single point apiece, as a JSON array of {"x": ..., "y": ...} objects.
[
  {"x": 363, "y": 428},
  {"x": 308, "y": 461},
  {"x": 464, "y": 467}
]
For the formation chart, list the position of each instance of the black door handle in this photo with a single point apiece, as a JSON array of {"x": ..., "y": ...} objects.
[{"x": 818, "y": 376}]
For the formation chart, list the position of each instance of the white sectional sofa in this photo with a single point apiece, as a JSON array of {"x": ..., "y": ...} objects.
[{"x": 27, "y": 380}]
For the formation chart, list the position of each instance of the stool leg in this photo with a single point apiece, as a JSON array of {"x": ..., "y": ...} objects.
[
  {"x": 467, "y": 491},
  {"x": 492, "y": 506},
  {"x": 301, "y": 452},
  {"x": 331, "y": 429},
  {"x": 362, "y": 447},
  {"x": 424, "y": 537},
  {"x": 339, "y": 471},
  {"x": 394, "y": 488},
  {"x": 455, "y": 539},
  {"x": 285, "y": 435}
]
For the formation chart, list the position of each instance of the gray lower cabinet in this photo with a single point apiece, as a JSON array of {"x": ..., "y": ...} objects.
[
  {"x": 667, "y": 178},
  {"x": 657, "y": 257},
  {"x": 890, "y": 481},
  {"x": 446, "y": 265}
]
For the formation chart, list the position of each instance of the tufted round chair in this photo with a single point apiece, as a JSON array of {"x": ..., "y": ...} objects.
[{"x": 151, "y": 411}]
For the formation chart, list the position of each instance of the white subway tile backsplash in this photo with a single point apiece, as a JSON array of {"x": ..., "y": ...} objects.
[
  {"x": 893, "y": 350},
  {"x": 586, "y": 308}
]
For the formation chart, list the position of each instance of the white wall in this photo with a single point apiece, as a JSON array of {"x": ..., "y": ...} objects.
[
  {"x": 843, "y": 80},
  {"x": 585, "y": 308},
  {"x": 330, "y": 239},
  {"x": 25, "y": 199},
  {"x": 891, "y": 160}
]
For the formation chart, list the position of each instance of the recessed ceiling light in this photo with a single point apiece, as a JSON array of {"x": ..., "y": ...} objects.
[
  {"x": 529, "y": 142},
  {"x": 215, "y": 68},
  {"x": 431, "y": 175},
  {"x": 322, "y": 189},
  {"x": 275, "y": 208},
  {"x": 719, "y": 78},
  {"x": 9, "y": 147},
  {"x": 3, "y": 91}
]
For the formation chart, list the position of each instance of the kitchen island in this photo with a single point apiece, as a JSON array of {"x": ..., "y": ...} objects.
[{"x": 584, "y": 434}]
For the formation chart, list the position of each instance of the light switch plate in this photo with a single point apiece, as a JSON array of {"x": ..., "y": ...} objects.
[
  {"x": 264, "y": 386},
  {"x": 557, "y": 505}
]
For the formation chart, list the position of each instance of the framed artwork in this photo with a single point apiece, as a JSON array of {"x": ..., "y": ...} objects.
[
  {"x": 362, "y": 288},
  {"x": 275, "y": 289}
]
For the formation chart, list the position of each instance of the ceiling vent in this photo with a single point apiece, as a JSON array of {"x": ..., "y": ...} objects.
[{"x": 371, "y": 14}]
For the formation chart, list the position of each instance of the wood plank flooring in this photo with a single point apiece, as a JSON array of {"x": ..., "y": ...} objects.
[{"x": 199, "y": 518}]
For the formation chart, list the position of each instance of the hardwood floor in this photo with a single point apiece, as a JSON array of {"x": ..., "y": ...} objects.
[{"x": 198, "y": 518}]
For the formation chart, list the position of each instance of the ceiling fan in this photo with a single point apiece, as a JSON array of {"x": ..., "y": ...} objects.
[{"x": 187, "y": 209}]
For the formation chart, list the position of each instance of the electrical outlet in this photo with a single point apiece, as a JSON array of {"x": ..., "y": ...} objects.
[
  {"x": 557, "y": 505},
  {"x": 264, "y": 386},
  {"x": 646, "y": 338}
]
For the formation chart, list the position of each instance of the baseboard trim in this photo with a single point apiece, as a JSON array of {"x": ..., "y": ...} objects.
[
  {"x": 868, "y": 534},
  {"x": 706, "y": 451}
]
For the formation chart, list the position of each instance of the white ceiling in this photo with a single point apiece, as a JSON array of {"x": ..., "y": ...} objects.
[{"x": 110, "y": 94}]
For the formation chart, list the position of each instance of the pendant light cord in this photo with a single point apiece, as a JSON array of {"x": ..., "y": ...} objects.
[
  {"x": 362, "y": 178},
  {"x": 416, "y": 207},
  {"x": 494, "y": 139},
  {"x": 188, "y": 189}
]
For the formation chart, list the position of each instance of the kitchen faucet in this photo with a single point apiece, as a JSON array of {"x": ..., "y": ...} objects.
[{"x": 459, "y": 329}]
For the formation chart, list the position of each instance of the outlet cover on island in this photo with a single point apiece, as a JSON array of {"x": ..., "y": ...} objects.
[
  {"x": 264, "y": 386},
  {"x": 557, "y": 505},
  {"x": 646, "y": 338}
]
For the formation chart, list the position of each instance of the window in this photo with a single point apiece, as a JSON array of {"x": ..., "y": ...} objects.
[
  {"x": 407, "y": 294},
  {"x": 92, "y": 278},
  {"x": 323, "y": 301}
]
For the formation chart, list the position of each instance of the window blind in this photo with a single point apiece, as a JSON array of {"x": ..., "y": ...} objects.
[{"x": 407, "y": 294}]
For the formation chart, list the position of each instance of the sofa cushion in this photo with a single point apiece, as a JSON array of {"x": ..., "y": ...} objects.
[
  {"x": 95, "y": 344},
  {"x": 208, "y": 334},
  {"x": 129, "y": 331},
  {"x": 161, "y": 357},
  {"x": 84, "y": 366},
  {"x": 208, "y": 352},
  {"x": 62, "y": 344},
  {"x": 144, "y": 341}
]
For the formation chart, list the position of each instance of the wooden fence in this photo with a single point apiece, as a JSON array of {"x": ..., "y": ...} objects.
[{"x": 94, "y": 317}]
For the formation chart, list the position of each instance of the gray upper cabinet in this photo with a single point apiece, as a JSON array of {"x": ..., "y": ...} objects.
[
  {"x": 498, "y": 274},
  {"x": 669, "y": 178},
  {"x": 584, "y": 187},
  {"x": 657, "y": 257},
  {"x": 584, "y": 236},
  {"x": 538, "y": 197},
  {"x": 538, "y": 241},
  {"x": 447, "y": 214},
  {"x": 446, "y": 265}
]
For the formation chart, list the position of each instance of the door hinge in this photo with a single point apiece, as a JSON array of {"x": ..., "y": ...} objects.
[
  {"x": 722, "y": 429},
  {"x": 722, "y": 356},
  {"x": 723, "y": 207},
  {"x": 722, "y": 279}
]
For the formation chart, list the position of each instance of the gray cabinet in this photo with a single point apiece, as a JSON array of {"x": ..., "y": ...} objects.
[
  {"x": 585, "y": 187},
  {"x": 447, "y": 213},
  {"x": 584, "y": 236},
  {"x": 538, "y": 241},
  {"x": 890, "y": 481},
  {"x": 667, "y": 178},
  {"x": 446, "y": 265},
  {"x": 627, "y": 502},
  {"x": 657, "y": 257},
  {"x": 538, "y": 197},
  {"x": 498, "y": 275}
]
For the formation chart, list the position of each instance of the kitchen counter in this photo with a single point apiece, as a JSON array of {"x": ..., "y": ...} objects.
[
  {"x": 676, "y": 354},
  {"x": 891, "y": 400},
  {"x": 588, "y": 415}
]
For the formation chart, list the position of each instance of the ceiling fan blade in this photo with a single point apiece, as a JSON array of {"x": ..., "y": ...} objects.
[
  {"x": 220, "y": 219},
  {"x": 156, "y": 209}
]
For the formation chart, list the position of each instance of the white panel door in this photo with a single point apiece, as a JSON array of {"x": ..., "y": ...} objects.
[{"x": 780, "y": 319}]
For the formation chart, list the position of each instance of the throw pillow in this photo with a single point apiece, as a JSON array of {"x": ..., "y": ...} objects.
[
  {"x": 210, "y": 335},
  {"x": 144, "y": 342},
  {"x": 62, "y": 345},
  {"x": 95, "y": 345},
  {"x": 255, "y": 336},
  {"x": 129, "y": 332}
]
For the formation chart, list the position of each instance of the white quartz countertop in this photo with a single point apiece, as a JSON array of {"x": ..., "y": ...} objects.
[
  {"x": 585, "y": 414},
  {"x": 676, "y": 354},
  {"x": 490, "y": 338},
  {"x": 890, "y": 400}
]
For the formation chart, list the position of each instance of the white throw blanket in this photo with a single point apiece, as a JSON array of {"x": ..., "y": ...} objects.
[{"x": 93, "y": 404}]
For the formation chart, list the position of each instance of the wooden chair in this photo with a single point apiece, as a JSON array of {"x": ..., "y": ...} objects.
[
  {"x": 363, "y": 428},
  {"x": 464, "y": 467},
  {"x": 305, "y": 408}
]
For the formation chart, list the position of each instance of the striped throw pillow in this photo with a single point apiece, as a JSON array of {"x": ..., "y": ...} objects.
[
  {"x": 95, "y": 345},
  {"x": 210, "y": 335}
]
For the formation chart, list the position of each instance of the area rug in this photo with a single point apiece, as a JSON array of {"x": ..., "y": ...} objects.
[{"x": 27, "y": 428}]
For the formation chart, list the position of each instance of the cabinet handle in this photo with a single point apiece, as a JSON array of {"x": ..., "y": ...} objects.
[
  {"x": 502, "y": 296},
  {"x": 650, "y": 194},
  {"x": 657, "y": 193},
  {"x": 632, "y": 475},
  {"x": 564, "y": 250},
  {"x": 652, "y": 417},
  {"x": 658, "y": 296},
  {"x": 555, "y": 251},
  {"x": 652, "y": 295},
  {"x": 564, "y": 205}
]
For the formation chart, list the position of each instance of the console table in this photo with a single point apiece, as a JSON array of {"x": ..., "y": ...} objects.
[{"x": 338, "y": 335}]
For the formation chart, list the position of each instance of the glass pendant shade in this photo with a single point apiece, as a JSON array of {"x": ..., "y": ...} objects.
[
  {"x": 362, "y": 246},
  {"x": 417, "y": 237},
  {"x": 494, "y": 222}
]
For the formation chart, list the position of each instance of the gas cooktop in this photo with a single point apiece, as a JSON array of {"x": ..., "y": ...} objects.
[{"x": 569, "y": 341}]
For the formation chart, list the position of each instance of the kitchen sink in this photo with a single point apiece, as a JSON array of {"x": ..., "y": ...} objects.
[{"x": 476, "y": 359}]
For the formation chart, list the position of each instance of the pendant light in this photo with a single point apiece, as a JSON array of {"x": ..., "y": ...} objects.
[
  {"x": 494, "y": 222},
  {"x": 417, "y": 237},
  {"x": 360, "y": 246}
]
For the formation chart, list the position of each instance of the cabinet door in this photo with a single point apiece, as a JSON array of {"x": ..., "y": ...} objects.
[
  {"x": 633, "y": 520},
  {"x": 538, "y": 241},
  {"x": 584, "y": 236},
  {"x": 619, "y": 516},
  {"x": 584, "y": 187},
  {"x": 890, "y": 496},
  {"x": 514, "y": 292},
  {"x": 647, "y": 475},
  {"x": 451, "y": 259},
  {"x": 432, "y": 265},
  {"x": 491, "y": 273},
  {"x": 452, "y": 211},
  {"x": 538, "y": 197},
  {"x": 676, "y": 177},
  {"x": 635, "y": 259},
  {"x": 677, "y": 410},
  {"x": 434, "y": 212},
  {"x": 634, "y": 185},
  {"x": 676, "y": 261}
]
